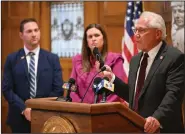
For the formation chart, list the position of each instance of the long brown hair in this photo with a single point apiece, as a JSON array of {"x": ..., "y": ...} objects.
[{"x": 86, "y": 52}]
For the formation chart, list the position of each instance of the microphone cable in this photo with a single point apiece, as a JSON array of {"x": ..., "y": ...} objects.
[{"x": 102, "y": 69}]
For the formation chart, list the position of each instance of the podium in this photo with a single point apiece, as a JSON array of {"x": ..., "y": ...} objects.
[{"x": 51, "y": 116}]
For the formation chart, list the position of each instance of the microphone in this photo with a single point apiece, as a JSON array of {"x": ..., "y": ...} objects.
[
  {"x": 104, "y": 94},
  {"x": 66, "y": 86},
  {"x": 71, "y": 83},
  {"x": 101, "y": 70},
  {"x": 69, "y": 86},
  {"x": 97, "y": 80},
  {"x": 98, "y": 56},
  {"x": 105, "y": 84},
  {"x": 104, "y": 87}
]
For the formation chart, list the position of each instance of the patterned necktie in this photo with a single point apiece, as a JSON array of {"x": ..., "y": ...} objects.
[
  {"x": 140, "y": 80},
  {"x": 32, "y": 75}
]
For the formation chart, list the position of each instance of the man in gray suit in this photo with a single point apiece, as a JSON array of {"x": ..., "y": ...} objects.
[{"x": 156, "y": 77}]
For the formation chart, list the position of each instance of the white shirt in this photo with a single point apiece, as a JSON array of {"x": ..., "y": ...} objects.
[
  {"x": 152, "y": 53},
  {"x": 36, "y": 56}
]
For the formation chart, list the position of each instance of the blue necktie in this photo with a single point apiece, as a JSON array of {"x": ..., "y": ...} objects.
[{"x": 32, "y": 77}]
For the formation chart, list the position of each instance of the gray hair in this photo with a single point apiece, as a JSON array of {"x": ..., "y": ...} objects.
[{"x": 156, "y": 22}]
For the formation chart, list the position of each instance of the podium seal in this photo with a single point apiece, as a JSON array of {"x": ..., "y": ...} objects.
[{"x": 57, "y": 124}]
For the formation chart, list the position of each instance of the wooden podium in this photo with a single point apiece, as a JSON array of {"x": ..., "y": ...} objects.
[{"x": 51, "y": 116}]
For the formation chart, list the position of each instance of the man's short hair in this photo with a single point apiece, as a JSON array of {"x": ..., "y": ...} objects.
[{"x": 23, "y": 22}]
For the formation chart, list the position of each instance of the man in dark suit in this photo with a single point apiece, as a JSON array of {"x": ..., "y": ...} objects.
[
  {"x": 156, "y": 77},
  {"x": 31, "y": 72}
]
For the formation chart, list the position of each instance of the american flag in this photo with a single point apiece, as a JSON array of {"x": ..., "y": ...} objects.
[{"x": 129, "y": 48}]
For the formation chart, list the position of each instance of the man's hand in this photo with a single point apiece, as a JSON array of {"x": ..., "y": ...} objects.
[
  {"x": 151, "y": 125},
  {"x": 27, "y": 113},
  {"x": 108, "y": 72}
]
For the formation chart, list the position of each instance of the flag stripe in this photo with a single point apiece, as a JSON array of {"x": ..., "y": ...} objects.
[
  {"x": 129, "y": 48},
  {"x": 127, "y": 53}
]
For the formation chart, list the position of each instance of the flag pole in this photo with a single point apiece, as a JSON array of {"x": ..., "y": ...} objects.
[{"x": 143, "y": 5}]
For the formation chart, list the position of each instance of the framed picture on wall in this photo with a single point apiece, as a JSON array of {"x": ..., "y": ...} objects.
[
  {"x": 67, "y": 26},
  {"x": 177, "y": 30}
]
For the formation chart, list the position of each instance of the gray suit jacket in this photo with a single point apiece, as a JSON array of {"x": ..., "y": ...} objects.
[{"x": 163, "y": 90}]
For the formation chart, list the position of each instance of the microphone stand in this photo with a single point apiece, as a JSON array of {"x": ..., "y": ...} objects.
[
  {"x": 68, "y": 98},
  {"x": 65, "y": 99},
  {"x": 61, "y": 98},
  {"x": 104, "y": 98},
  {"x": 95, "y": 98}
]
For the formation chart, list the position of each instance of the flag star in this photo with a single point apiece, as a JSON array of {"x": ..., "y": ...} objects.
[
  {"x": 138, "y": 2},
  {"x": 128, "y": 11},
  {"x": 139, "y": 12},
  {"x": 130, "y": 3},
  {"x": 135, "y": 7},
  {"x": 128, "y": 18}
]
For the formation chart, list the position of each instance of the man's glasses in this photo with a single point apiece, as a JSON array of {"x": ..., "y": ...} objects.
[{"x": 140, "y": 30}]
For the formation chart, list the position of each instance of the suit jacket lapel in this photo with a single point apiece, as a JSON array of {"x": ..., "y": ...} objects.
[
  {"x": 133, "y": 75},
  {"x": 22, "y": 57},
  {"x": 41, "y": 63},
  {"x": 158, "y": 59}
]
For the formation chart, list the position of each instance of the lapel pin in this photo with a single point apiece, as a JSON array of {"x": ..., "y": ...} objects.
[
  {"x": 161, "y": 57},
  {"x": 22, "y": 57}
]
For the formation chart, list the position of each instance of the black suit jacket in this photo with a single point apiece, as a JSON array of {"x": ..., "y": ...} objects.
[{"x": 163, "y": 90}]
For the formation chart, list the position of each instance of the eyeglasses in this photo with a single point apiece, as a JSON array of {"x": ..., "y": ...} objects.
[{"x": 140, "y": 30}]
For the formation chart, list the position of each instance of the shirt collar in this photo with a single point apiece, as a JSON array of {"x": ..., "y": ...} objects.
[
  {"x": 153, "y": 52},
  {"x": 35, "y": 51}
]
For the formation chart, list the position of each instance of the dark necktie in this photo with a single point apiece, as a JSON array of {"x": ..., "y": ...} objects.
[
  {"x": 140, "y": 80},
  {"x": 32, "y": 75}
]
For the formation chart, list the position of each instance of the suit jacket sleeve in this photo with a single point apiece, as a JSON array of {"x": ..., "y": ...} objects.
[
  {"x": 174, "y": 90},
  {"x": 8, "y": 88},
  {"x": 121, "y": 89},
  {"x": 115, "y": 61},
  {"x": 117, "y": 68},
  {"x": 57, "y": 78}
]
